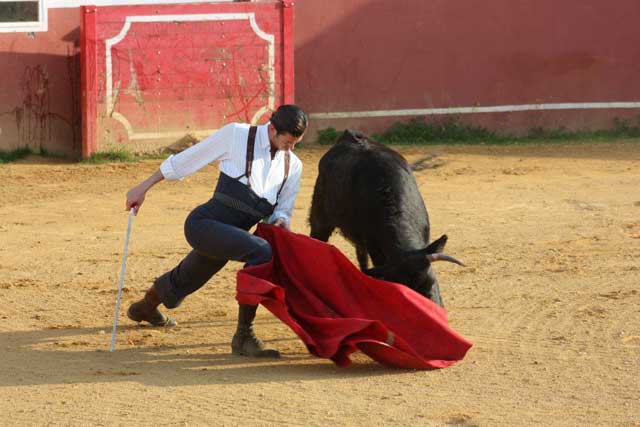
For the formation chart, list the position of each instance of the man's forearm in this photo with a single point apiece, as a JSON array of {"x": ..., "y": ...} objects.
[
  {"x": 151, "y": 181},
  {"x": 136, "y": 196}
]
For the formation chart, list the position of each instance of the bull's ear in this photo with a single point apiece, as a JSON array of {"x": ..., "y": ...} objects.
[{"x": 436, "y": 246}]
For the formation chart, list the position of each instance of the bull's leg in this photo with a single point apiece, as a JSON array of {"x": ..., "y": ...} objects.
[
  {"x": 377, "y": 257},
  {"x": 363, "y": 257},
  {"x": 434, "y": 294},
  {"x": 319, "y": 230},
  {"x": 321, "y": 226}
]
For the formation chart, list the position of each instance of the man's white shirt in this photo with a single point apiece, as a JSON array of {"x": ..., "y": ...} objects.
[{"x": 229, "y": 146}]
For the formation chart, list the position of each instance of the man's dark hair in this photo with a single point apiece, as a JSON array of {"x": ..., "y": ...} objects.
[{"x": 290, "y": 119}]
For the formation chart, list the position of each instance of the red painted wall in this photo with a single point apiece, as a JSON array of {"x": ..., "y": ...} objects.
[
  {"x": 362, "y": 55},
  {"x": 40, "y": 86},
  {"x": 355, "y": 55}
]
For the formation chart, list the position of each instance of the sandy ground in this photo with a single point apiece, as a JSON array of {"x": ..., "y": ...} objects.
[{"x": 550, "y": 299}]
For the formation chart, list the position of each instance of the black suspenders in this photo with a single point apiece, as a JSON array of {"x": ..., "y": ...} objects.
[
  {"x": 287, "y": 156},
  {"x": 251, "y": 142}
]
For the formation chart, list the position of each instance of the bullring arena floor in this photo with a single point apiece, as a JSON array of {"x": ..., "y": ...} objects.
[{"x": 550, "y": 299}]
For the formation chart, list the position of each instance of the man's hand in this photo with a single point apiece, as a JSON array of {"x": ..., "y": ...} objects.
[
  {"x": 135, "y": 198},
  {"x": 280, "y": 222}
]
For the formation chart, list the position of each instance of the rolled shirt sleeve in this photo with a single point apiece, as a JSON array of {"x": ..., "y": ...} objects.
[
  {"x": 216, "y": 146},
  {"x": 287, "y": 199}
]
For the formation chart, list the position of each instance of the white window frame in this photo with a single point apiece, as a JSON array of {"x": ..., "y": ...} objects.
[
  {"x": 53, "y": 4},
  {"x": 28, "y": 26}
]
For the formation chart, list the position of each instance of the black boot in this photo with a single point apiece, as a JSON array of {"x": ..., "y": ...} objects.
[
  {"x": 245, "y": 342},
  {"x": 146, "y": 310}
]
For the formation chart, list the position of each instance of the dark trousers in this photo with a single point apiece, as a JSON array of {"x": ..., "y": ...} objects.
[{"x": 217, "y": 234}]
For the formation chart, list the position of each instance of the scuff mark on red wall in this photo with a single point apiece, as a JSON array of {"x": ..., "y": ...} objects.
[{"x": 33, "y": 118}]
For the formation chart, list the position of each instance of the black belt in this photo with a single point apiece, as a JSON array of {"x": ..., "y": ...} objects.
[
  {"x": 234, "y": 194},
  {"x": 237, "y": 205}
]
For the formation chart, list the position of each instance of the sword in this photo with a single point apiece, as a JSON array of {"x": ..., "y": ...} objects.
[{"x": 122, "y": 270}]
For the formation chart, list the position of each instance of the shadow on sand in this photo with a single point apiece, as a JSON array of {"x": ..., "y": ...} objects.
[{"x": 31, "y": 358}]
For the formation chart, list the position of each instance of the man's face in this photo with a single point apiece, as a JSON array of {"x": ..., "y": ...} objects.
[{"x": 283, "y": 141}]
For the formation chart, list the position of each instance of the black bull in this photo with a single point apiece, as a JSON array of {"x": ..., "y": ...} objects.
[{"x": 368, "y": 192}]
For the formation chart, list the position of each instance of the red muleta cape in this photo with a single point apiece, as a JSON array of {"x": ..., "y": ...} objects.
[{"x": 336, "y": 309}]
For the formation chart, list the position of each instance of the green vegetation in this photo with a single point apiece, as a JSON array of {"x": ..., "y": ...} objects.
[
  {"x": 96, "y": 158},
  {"x": 119, "y": 155},
  {"x": 12, "y": 156},
  {"x": 328, "y": 136},
  {"x": 46, "y": 153},
  {"x": 110, "y": 156},
  {"x": 453, "y": 131},
  {"x": 418, "y": 131}
]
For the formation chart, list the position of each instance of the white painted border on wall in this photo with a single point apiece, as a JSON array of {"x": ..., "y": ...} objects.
[
  {"x": 472, "y": 110},
  {"x": 109, "y": 43}
]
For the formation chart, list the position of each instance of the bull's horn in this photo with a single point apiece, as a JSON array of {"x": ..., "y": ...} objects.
[{"x": 444, "y": 257}]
